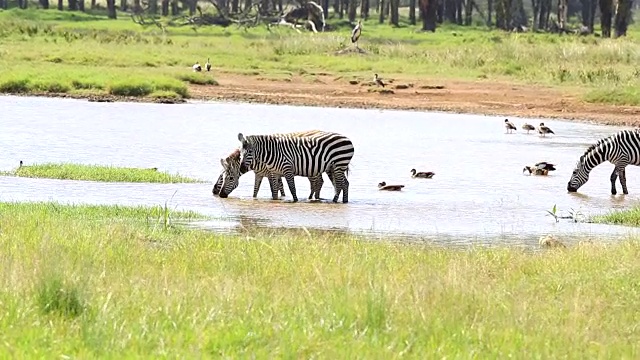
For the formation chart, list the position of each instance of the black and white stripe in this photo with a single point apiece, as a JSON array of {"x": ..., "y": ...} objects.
[
  {"x": 620, "y": 149},
  {"x": 291, "y": 156}
]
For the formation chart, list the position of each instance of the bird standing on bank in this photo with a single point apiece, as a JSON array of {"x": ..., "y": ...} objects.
[
  {"x": 207, "y": 65},
  {"x": 197, "y": 67},
  {"x": 378, "y": 80},
  {"x": 509, "y": 125},
  {"x": 355, "y": 34},
  {"x": 543, "y": 130}
]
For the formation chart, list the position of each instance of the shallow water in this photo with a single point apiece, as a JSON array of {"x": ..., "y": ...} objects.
[{"x": 478, "y": 195}]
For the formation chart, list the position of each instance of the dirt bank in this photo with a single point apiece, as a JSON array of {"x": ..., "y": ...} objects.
[{"x": 478, "y": 97}]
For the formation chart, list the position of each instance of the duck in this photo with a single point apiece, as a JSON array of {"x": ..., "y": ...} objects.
[
  {"x": 207, "y": 65},
  {"x": 197, "y": 67},
  {"x": 528, "y": 127},
  {"x": 543, "y": 130},
  {"x": 383, "y": 186},
  {"x": 545, "y": 165},
  {"x": 424, "y": 175},
  {"x": 378, "y": 80},
  {"x": 509, "y": 125},
  {"x": 535, "y": 171},
  {"x": 20, "y": 164}
]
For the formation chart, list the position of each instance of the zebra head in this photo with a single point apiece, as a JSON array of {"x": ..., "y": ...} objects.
[
  {"x": 247, "y": 154},
  {"x": 579, "y": 176},
  {"x": 230, "y": 175},
  {"x": 218, "y": 185}
]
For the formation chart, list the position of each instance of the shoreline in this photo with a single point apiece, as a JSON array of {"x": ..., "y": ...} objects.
[{"x": 482, "y": 97}]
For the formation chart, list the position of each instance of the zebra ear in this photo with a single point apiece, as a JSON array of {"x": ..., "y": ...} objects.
[
  {"x": 241, "y": 138},
  {"x": 224, "y": 163}
]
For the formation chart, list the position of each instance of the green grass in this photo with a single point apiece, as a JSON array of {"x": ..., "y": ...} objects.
[
  {"x": 630, "y": 217},
  {"x": 75, "y": 52},
  {"x": 121, "y": 287},
  {"x": 616, "y": 96},
  {"x": 70, "y": 171}
]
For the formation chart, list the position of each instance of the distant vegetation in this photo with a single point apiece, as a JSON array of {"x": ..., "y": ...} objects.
[
  {"x": 126, "y": 282},
  {"x": 86, "y": 54},
  {"x": 97, "y": 173}
]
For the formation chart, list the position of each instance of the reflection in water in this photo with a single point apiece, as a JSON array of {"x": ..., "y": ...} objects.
[{"x": 479, "y": 194}]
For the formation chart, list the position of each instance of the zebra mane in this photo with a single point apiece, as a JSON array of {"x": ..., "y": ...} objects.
[
  {"x": 594, "y": 145},
  {"x": 235, "y": 155}
]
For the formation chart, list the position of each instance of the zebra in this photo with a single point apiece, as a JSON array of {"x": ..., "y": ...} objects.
[
  {"x": 297, "y": 156},
  {"x": 620, "y": 149},
  {"x": 233, "y": 162}
]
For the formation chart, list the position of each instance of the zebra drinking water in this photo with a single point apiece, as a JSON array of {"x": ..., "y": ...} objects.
[
  {"x": 296, "y": 156},
  {"x": 233, "y": 162},
  {"x": 620, "y": 149}
]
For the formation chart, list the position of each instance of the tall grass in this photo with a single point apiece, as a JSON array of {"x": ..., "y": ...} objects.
[
  {"x": 629, "y": 217},
  {"x": 122, "y": 288},
  {"x": 38, "y": 45},
  {"x": 69, "y": 171}
]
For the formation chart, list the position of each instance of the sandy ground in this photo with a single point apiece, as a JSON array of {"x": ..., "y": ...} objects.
[{"x": 477, "y": 97}]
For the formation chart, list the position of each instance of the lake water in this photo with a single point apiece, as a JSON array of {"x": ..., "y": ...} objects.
[{"x": 478, "y": 195}]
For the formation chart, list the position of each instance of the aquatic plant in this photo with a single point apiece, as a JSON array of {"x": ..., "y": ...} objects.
[{"x": 553, "y": 212}]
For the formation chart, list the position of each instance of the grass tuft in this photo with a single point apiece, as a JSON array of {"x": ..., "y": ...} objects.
[
  {"x": 629, "y": 217},
  {"x": 616, "y": 96},
  {"x": 198, "y": 79},
  {"x": 69, "y": 171},
  {"x": 53, "y": 296},
  {"x": 15, "y": 86}
]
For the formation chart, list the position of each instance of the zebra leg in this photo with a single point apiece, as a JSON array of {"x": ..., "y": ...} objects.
[
  {"x": 256, "y": 185},
  {"x": 345, "y": 190},
  {"x": 273, "y": 183},
  {"x": 292, "y": 185},
  {"x": 281, "y": 186},
  {"x": 614, "y": 176},
  {"x": 316, "y": 185},
  {"x": 338, "y": 179},
  {"x": 623, "y": 181}
]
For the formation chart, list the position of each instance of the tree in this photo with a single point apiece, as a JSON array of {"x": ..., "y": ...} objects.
[
  {"x": 623, "y": 15},
  {"x": 412, "y": 12},
  {"x": 111, "y": 9},
  {"x": 428, "y": 15},
  {"x": 394, "y": 18},
  {"x": 605, "y": 17}
]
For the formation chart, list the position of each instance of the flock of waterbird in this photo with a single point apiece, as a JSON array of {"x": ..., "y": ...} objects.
[{"x": 543, "y": 167}]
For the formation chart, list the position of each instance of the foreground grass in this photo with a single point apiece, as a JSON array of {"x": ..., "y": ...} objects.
[
  {"x": 78, "y": 53},
  {"x": 120, "y": 287},
  {"x": 630, "y": 217},
  {"x": 67, "y": 171}
]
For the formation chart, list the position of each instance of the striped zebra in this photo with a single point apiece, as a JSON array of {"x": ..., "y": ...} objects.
[
  {"x": 297, "y": 156},
  {"x": 233, "y": 162},
  {"x": 620, "y": 149}
]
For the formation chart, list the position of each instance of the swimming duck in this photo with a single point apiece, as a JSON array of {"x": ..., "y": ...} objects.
[
  {"x": 207, "y": 65},
  {"x": 197, "y": 67},
  {"x": 543, "y": 130},
  {"x": 424, "y": 175},
  {"x": 535, "y": 171},
  {"x": 383, "y": 186},
  {"x": 545, "y": 165},
  {"x": 509, "y": 125},
  {"x": 528, "y": 127}
]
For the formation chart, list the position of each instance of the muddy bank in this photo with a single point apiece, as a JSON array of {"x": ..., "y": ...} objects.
[{"x": 474, "y": 97}]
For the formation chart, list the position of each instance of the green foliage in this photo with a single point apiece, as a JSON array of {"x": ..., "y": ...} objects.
[
  {"x": 628, "y": 95},
  {"x": 630, "y": 217},
  {"x": 98, "y": 173}
]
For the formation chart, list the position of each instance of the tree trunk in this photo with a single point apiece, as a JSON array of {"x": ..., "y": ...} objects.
[
  {"x": 81, "y": 5},
  {"x": 535, "y": 6},
  {"x": 174, "y": 8},
  {"x": 440, "y": 11},
  {"x": 364, "y": 9},
  {"x": 605, "y": 17},
  {"x": 394, "y": 18},
  {"x": 336, "y": 6},
  {"x": 592, "y": 20},
  {"x": 165, "y": 7},
  {"x": 623, "y": 15},
  {"x": 352, "y": 10},
  {"x": 412, "y": 12},
  {"x": 123, "y": 5},
  {"x": 60, "y": 5},
  {"x": 381, "y": 12},
  {"x": 93, "y": 4},
  {"x": 545, "y": 10},
  {"x": 111, "y": 8},
  {"x": 468, "y": 12},
  {"x": 153, "y": 7},
  {"x": 235, "y": 6},
  {"x": 193, "y": 3},
  {"x": 490, "y": 13},
  {"x": 43, "y": 3},
  {"x": 562, "y": 14},
  {"x": 428, "y": 15},
  {"x": 73, "y": 5}
]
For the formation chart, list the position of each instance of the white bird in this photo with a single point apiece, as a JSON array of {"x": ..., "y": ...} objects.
[
  {"x": 378, "y": 80},
  {"x": 509, "y": 125},
  {"x": 355, "y": 34},
  {"x": 197, "y": 67},
  {"x": 208, "y": 65}
]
